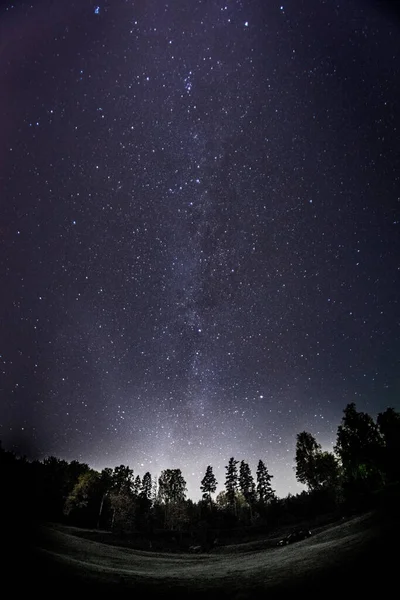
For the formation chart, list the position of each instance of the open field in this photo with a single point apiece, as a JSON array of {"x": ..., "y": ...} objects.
[{"x": 353, "y": 555}]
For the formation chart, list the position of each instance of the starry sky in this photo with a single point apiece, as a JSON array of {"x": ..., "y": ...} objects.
[{"x": 199, "y": 228}]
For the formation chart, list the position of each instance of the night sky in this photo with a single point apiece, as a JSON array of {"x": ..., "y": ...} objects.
[{"x": 199, "y": 228}]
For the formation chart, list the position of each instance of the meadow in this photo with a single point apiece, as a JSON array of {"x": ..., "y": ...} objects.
[{"x": 352, "y": 555}]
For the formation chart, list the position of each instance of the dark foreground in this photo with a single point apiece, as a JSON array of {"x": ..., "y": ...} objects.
[{"x": 359, "y": 556}]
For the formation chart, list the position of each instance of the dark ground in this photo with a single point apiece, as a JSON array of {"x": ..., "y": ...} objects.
[{"x": 357, "y": 557}]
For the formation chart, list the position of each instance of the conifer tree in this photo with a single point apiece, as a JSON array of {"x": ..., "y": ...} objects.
[
  {"x": 246, "y": 483},
  {"x": 208, "y": 484},
  {"x": 231, "y": 481},
  {"x": 264, "y": 488}
]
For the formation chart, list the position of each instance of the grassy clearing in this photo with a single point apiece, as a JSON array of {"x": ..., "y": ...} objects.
[{"x": 241, "y": 571}]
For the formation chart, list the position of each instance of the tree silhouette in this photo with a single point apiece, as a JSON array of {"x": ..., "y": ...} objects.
[
  {"x": 231, "y": 481},
  {"x": 264, "y": 488},
  {"x": 84, "y": 498},
  {"x": 246, "y": 483},
  {"x": 172, "y": 486},
  {"x": 146, "y": 486},
  {"x": 137, "y": 486},
  {"x": 327, "y": 470},
  {"x": 59, "y": 478},
  {"x": 315, "y": 468},
  {"x": 369, "y": 455},
  {"x": 208, "y": 484},
  {"x": 172, "y": 494},
  {"x": 307, "y": 452},
  {"x": 389, "y": 428},
  {"x": 122, "y": 498},
  {"x": 122, "y": 479},
  {"x": 143, "y": 503},
  {"x": 359, "y": 446}
]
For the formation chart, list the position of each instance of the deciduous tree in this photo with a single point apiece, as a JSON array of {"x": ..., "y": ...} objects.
[
  {"x": 172, "y": 494},
  {"x": 122, "y": 498},
  {"x": 307, "y": 452},
  {"x": 389, "y": 428},
  {"x": 82, "y": 504},
  {"x": 172, "y": 486},
  {"x": 359, "y": 446}
]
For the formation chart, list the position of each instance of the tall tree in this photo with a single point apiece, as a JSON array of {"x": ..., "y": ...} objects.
[
  {"x": 359, "y": 446},
  {"x": 172, "y": 486},
  {"x": 208, "y": 484},
  {"x": 82, "y": 504},
  {"x": 146, "y": 486},
  {"x": 137, "y": 486},
  {"x": 143, "y": 503},
  {"x": 172, "y": 495},
  {"x": 106, "y": 477},
  {"x": 231, "y": 481},
  {"x": 59, "y": 478},
  {"x": 246, "y": 483},
  {"x": 327, "y": 470},
  {"x": 264, "y": 487},
  {"x": 122, "y": 498},
  {"x": 389, "y": 428},
  {"x": 155, "y": 497},
  {"x": 75, "y": 470},
  {"x": 307, "y": 453},
  {"x": 122, "y": 479}
]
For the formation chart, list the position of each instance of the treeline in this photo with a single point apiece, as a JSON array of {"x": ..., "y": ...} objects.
[{"x": 365, "y": 461}]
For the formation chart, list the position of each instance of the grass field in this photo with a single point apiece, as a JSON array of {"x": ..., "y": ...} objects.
[{"x": 349, "y": 556}]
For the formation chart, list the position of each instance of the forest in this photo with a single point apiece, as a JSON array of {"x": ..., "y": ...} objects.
[{"x": 154, "y": 512}]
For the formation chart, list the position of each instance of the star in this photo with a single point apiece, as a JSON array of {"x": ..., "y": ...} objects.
[{"x": 192, "y": 249}]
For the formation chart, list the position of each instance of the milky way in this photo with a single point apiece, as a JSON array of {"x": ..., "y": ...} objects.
[{"x": 199, "y": 229}]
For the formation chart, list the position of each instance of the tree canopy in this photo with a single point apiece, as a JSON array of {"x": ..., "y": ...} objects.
[
  {"x": 264, "y": 488},
  {"x": 314, "y": 468},
  {"x": 246, "y": 483},
  {"x": 365, "y": 461},
  {"x": 208, "y": 484},
  {"x": 359, "y": 445},
  {"x": 171, "y": 486},
  {"x": 231, "y": 481}
]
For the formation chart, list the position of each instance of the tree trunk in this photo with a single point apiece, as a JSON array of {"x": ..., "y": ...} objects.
[{"x": 100, "y": 511}]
